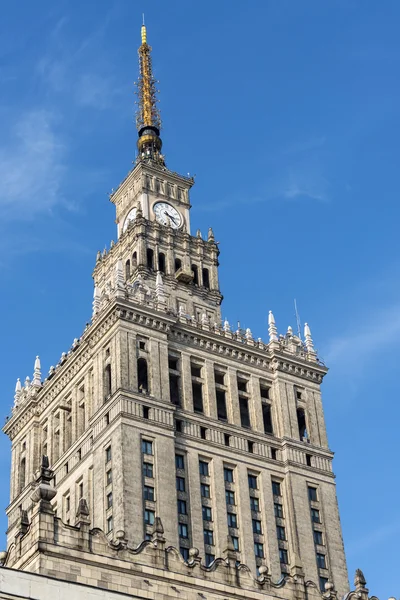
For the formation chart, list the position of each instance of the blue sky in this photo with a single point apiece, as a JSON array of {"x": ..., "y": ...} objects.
[{"x": 287, "y": 112}]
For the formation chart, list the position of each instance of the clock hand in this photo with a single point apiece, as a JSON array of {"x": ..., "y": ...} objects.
[{"x": 170, "y": 217}]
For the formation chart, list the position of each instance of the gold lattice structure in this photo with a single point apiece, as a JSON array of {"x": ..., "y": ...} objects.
[{"x": 147, "y": 114}]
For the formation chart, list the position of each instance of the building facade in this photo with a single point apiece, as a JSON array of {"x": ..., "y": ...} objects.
[{"x": 166, "y": 449}]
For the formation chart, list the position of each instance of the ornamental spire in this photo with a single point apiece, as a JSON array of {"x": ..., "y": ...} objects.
[{"x": 148, "y": 119}]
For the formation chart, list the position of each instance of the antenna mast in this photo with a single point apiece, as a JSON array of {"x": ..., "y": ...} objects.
[{"x": 297, "y": 319}]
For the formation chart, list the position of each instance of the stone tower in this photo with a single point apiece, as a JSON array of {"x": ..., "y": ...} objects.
[{"x": 165, "y": 429}]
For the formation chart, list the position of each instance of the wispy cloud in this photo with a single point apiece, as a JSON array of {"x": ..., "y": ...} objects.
[{"x": 31, "y": 166}]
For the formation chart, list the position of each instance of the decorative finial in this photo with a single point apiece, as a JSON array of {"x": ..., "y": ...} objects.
[
  {"x": 160, "y": 293},
  {"x": 309, "y": 342},
  {"x": 272, "y": 330},
  {"x": 227, "y": 327},
  {"x": 96, "y": 300},
  {"x": 18, "y": 390},
  {"x": 211, "y": 237},
  {"x": 27, "y": 382},
  {"x": 37, "y": 375},
  {"x": 119, "y": 278}
]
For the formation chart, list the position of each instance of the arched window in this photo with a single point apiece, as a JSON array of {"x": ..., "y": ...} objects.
[
  {"x": 127, "y": 269},
  {"x": 301, "y": 420},
  {"x": 161, "y": 262},
  {"x": 22, "y": 474},
  {"x": 206, "y": 279},
  {"x": 150, "y": 256},
  {"x": 107, "y": 381},
  {"x": 195, "y": 275},
  {"x": 134, "y": 260},
  {"x": 178, "y": 264},
  {"x": 143, "y": 380}
]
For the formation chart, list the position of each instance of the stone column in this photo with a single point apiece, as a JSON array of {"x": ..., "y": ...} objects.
[
  {"x": 232, "y": 397},
  {"x": 209, "y": 388},
  {"x": 187, "y": 394}
]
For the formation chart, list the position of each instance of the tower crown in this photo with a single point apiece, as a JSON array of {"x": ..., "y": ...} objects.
[{"x": 148, "y": 118}]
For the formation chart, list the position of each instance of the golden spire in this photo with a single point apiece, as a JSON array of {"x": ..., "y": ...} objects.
[{"x": 148, "y": 119}]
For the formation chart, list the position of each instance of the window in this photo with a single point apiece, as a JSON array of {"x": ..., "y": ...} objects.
[
  {"x": 207, "y": 513},
  {"x": 252, "y": 482},
  {"x": 174, "y": 389},
  {"x": 146, "y": 412},
  {"x": 143, "y": 380},
  {"x": 205, "y": 490},
  {"x": 109, "y": 477},
  {"x": 109, "y": 524},
  {"x": 280, "y": 533},
  {"x": 182, "y": 508},
  {"x": 230, "y": 497},
  {"x": 161, "y": 262},
  {"x": 208, "y": 537},
  {"x": 203, "y": 468},
  {"x": 318, "y": 539},
  {"x": 107, "y": 381},
  {"x": 308, "y": 460},
  {"x": 195, "y": 275},
  {"x": 244, "y": 412},
  {"x": 250, "y": 446},
  {"x": 232, "y": 519},
  {"x": 109, "y": 500},
  {"x": 179, "y": 461},
  {"x": 254, "y": 504},
  {"x": 274, "y": 453},
  {"x": 301, "y": 421},
  {"x": 267, "y": 418},
  {"x": 227, "y": 439},
  {"x": 228, "y": 475},
  {"x": 219, "y": 377},
  {"x": 67, "y": 503},
  {"x": 242, "y": 385},
  {"x": 221, "y": 405},
  {"x": 257, "y": 526},
  {"x": 235, "y": 542},
  {"x": 278, "y": 510},
  {"x": 276, "y": 488},
  {"x": 108, "y": 454},
  {"x": 264, "y": 391},
  {"x": 184, "y": 552},
  {"x": 178, "y": 425},
  {"x": 312, "y": 494},
  {"x": 147, "y": 447},
  {"x": 180, "y": 484},
  {"x": 183, "y": 530},
  {"x": 149, "y": 257},
  {"x": 127, "y": 269},
  {"x": 322, "y": 583},
  {"x": 80, "y": 491},
  {"x": 315, "y": 518},
  {"x": 283, "y": 556},
  {"x": 298, "y": 394},
  {"x": 142, "y": 345},
  {"x": 321, "y": 560},
  {"x": 195, "y": 370},
  {"x": 149, "y": 517},
  {"x": 209, "y": 559},
  {"x": 206, "y": 279},
  {"x": 173, "y": 363},
  {"x": 178, "y": 264},
  {"x": 147, "y": 470},
  {"x": 134, "y": 259},
  {"x": 148, "y": 493},
  {"x": 259, "y": 550},
  {"x": 197, "y": 397},
  {"x": 203, "y": 433}
]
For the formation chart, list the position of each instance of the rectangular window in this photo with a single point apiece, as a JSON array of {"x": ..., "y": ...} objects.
[
  {"x": 179, "y": 461},
  {"x": 278, "y": 510},
  {"x": 67, "y": 503},
  {"x": 80, "y": 490},
  {"x": 203, "y": 468},
  {"x": 109, "y": 477},
  {"x": 148, "y": 470},
  {"x": 322, "y": 583},
  {"x": 259, "y": 550},
  {"x": 244, "y": 412},
  {"x": 203, "y": 433},
  {"x": 173, "y": 363},
  {"x": 321, "y": 560},
  {"x": 254, "y": 504},
  {"x": 242, "y": 385},
  {"x": 283, "y": 556},
  {"x": 264, "y": 391},
  {"x": 195, "y": 370},
  {"x": 205, "y": 490},
  {"x": 219, "y": 377},
  {"x": 209, "y": 559},
  {"x": 183, "y": 530},
  {"x": 315, "y": 518},
  {"x": 147, "y": 447},
  {"x": 221, "y": 405},
  {"x": 174, "y": 389},
  {"x": 228, "y": 475},
  {"x": 197, "y": 397},
  {"x": 230, "y": 497},
  {"x": 148, "y": 493},
  {"x": 280, "y": 533},
  {"x": 252, "y": 482},
  {"x": 184, "y": 552},
  {"x": 257, "y": 526},
  {"x": 312, "y": 494},
  {"x": 207, "y": 513},
  {"x": 235, "y": 542},
  {"x": 108, "y": 454},
  {"x": 267, "y": 418},
  {"x": 232, "y": 519},
  {"x": 318, "y": 539},
  {"x": 180, "y": 484},
  {"x": 109, "y": 500},
  {"x": 182, "y": 508},
  {"x": 208, "y": 537},
  {"x": 149, "y": 517},
  {"x": 109, "y": 524},
  {"x": 276, "y": 488}
]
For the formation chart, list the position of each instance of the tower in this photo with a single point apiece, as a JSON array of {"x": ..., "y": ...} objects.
[{"x": 170, "y": 439}]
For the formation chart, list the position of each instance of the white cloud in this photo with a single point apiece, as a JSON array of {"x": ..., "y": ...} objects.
[{"x": 31, "y": 166}]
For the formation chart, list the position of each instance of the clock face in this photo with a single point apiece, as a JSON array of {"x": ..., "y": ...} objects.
[
  {"x": 131, "y": 216},
  {"x": 167, "y": 214}
]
